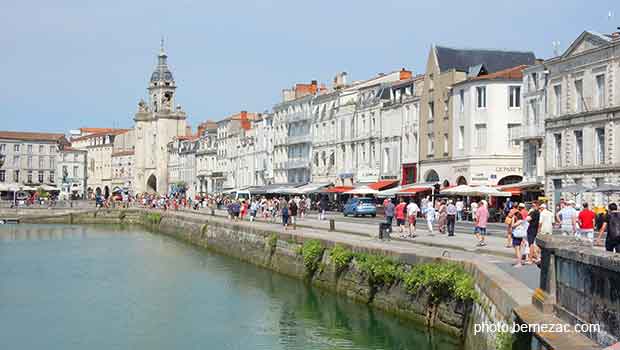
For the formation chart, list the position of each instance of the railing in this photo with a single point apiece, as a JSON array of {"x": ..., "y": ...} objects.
[
  {"x": 299, "y": 139},
  {"x": 532, "y": 130},
  {"x": 297, "y": 163}
]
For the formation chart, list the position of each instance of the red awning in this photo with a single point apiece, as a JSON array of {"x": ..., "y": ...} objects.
[
  {"x": 513, "y": 190},
  {"x": 413, "y": 190},
  {"x": 339, "y": 189},
  {"x": 379, "y": 185}
]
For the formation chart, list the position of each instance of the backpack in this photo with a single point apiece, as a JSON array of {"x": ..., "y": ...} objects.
[{"x": 613, "y": 228}]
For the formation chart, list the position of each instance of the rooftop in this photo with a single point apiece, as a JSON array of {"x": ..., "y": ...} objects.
[
  {"x": 493, "y": 60},
  {"x": 31, "y": 136}
]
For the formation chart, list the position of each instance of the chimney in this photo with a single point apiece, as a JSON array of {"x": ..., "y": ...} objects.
[
  {"x": 615, "y": 36},
  {"x": 405, "y": 74},
  {"x": 245, "y": 123},
  {"x": 340, "y": 80},
  {"x": 188, "y": 131},
  {"x": 201, "y": 128},
  {"x": 313, "y": 87}
]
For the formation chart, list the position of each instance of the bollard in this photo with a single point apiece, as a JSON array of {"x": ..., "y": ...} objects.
[{"x": 332, "y": 225}]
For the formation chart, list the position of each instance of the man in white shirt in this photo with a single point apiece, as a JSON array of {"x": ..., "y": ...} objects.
[
  {"x": 546, "y": 220},
  {"x": 412, "y": 213},
  {"x": 459, "y": 209},
  {"x": 568, "y": 219}
]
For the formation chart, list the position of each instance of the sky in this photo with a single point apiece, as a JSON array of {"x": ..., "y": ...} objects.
[{"x": 82, "y": 63}]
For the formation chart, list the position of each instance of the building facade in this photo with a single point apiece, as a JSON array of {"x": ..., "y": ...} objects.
[
  {"x": 206, "y": 157},
  {"x": 487, "y": 120},
  {"x": 29, "y": 159},
  {"x": 533, "y": 124},
  {"x": 72, "y": 171},
  {"x": 582, "y": 127},
  {"x": 446, "y": 67}
]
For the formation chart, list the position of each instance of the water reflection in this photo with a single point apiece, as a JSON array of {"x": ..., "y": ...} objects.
[{"x": 103, "y": 287}]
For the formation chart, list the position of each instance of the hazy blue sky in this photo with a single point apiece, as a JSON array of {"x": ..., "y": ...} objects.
[{"x": 67, "y": 64}]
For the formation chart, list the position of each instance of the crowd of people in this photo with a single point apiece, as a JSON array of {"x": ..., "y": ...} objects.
[{"x": 522, "y": 225}]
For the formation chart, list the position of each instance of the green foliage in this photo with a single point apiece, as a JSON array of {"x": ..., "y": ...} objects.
[
  {"x": 153, "y": 218},
  {"x": 312, "y": 252},
  {"x": 380, "y": 269},
  {"x": 341, "y": 257},
  {"x": 272, "y": 241},
  {"x": 503, "y": 340},
  {"x": 299, "y": 250},
  {"x": 441, "y": 280}
]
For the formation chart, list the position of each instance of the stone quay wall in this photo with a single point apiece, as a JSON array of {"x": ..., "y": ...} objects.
[
  {"x": 581, "y": 285},
  {"x": 281, "y": 252}
]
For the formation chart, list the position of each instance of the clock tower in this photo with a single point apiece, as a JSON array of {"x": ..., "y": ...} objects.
[{"x": 157, "y": 123}]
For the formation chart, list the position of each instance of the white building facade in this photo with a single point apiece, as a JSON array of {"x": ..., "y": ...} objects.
[{"x": 487, "y": 120}]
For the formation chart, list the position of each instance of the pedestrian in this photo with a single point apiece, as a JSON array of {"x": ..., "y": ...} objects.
[
  {"x": 612, "y": 226},
  {"x": 389, "y": 212},
  {"x": 532, "y": 232},
  {"x": 284, "y": 212},
  {"x": 459, "y": 209},
  {"x": 586, "y": 220},
  {"x": 519, "y": 231},
  {"x": 481, "y": 218},
  {"x": 474, "y": 210},
  {"x": 322, "y": 207},
  {"x": 443, "y": 217},
  {"x": 236, "y": 210},
  {"x": 430, "y": 216},
  {"x": 508, "y": 222},
  {"x": 292, "y": 209},
  {"x": 567, "y": 217},
  {"x": 401, "y": 212},
  {"x": 546, "y": 220},
  {"x": 254, "y": 209},
  {"x": 452, "y": 213},
  {"x": 412, "y": 213}
]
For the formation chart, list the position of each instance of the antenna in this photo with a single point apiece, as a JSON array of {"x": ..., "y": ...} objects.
[
  {"x": 610, "y": 15},
  {"x": 161, "y": 44},
  {"x": 556, "y": 47}
]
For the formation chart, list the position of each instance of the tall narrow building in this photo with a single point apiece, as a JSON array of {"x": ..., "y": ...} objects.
[{"x": 156, "y": 123}]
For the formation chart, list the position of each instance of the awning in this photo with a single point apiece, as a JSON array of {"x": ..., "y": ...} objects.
[
  {"x": 363, "y": 190},
  {"x": 522, "y": 186},
  {"x": 379, "y": 185},
  {"x": 409, "y": 189},
  {"x": 311, "y": 187},
  {"x": 412, "y": 191},
  {"x": 339, "y": 189},
  {"x": 513, "y": 190}
]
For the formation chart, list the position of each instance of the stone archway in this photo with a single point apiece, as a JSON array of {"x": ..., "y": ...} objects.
[
  {"x": 446, "y": 183},
  {"x": 510, "y": 179},
  {"x": 461, "y": 180},
  {"x": 151, "y": 184},
  {"x": 431, "y": 176},
  {"x": 106, "y": 192}
]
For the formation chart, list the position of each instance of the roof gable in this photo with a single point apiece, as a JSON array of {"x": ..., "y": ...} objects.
[
  {"x": 588, "y": 40},
  {"x": 492, "y": 60}
]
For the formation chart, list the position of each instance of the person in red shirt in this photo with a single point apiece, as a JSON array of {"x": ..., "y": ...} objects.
[
  {"x": 400, "y": 212},
  {"x": 586, "y": 220}
]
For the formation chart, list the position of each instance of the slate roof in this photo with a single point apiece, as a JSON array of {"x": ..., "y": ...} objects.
[{"x": 493, "y": 60}]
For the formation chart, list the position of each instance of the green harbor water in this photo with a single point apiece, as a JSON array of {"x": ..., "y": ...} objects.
[{"x": 107, "y": 287}]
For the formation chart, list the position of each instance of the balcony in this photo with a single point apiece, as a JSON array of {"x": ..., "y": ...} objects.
[
  {"x": 298, "y": 116},
  {"x": 298, "y": 139},
  {"x": 297, "y": 163},
  {"x": 532, "y": 131}
]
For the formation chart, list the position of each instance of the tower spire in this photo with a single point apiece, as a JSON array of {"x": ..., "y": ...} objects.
[{"x": 161, "y": 45}]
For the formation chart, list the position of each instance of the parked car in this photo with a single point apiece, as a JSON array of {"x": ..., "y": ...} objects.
[{"x": 360, "y": 206}]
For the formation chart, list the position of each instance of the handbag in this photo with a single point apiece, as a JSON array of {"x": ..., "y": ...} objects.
[{"x": 518, "y": 232}]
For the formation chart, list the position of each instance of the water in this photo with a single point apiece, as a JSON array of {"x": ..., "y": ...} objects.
[{"x": 106, "y": 287}]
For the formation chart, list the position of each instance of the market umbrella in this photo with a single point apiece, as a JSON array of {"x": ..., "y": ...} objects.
[
  {"x": 362, "y": 190},
  {"x": 460, "y": 190}
]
